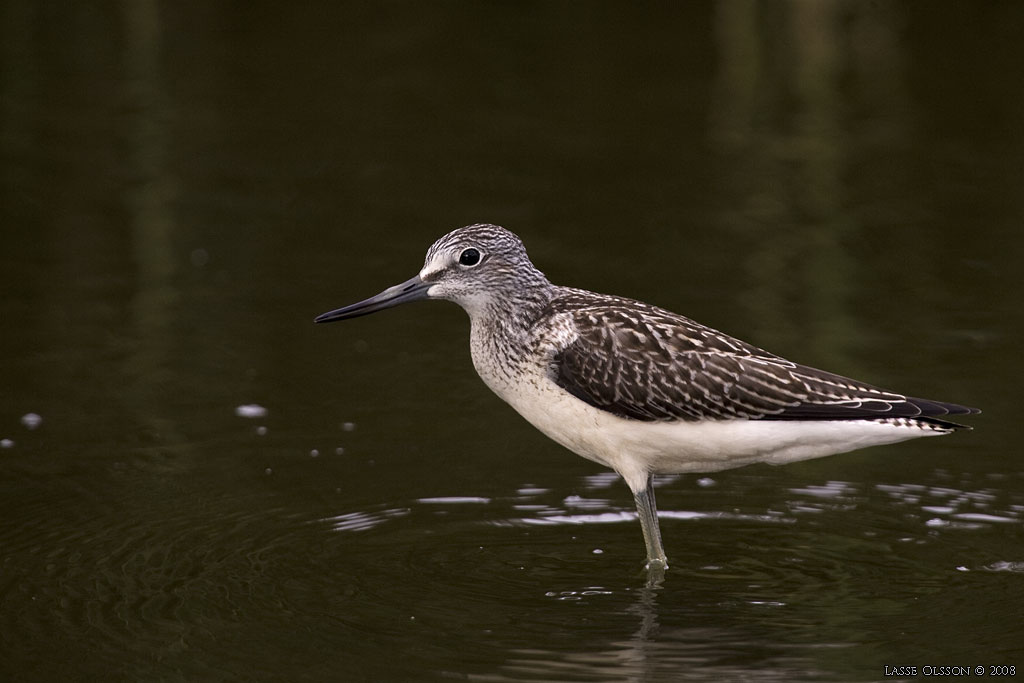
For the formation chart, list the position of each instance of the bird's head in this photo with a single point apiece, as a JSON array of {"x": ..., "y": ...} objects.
[{"x": 478, "y": 267}]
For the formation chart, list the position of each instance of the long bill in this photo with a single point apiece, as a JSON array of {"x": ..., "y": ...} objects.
[{"x": 412, "y": 289}]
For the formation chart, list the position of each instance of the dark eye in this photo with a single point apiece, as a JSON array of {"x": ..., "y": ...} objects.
[{"x": 470, "y": 257}]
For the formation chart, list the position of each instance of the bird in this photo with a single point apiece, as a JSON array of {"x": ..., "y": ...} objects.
[{"x": 637, "y": 388}]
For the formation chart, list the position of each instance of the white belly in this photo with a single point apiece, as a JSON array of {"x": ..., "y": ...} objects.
[{"x": 635, "y": 448}]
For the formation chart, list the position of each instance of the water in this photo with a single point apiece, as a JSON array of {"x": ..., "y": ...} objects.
[{"x": 197, "y": 483}]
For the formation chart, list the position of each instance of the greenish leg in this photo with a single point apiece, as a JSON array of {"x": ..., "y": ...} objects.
[{"x": 647, "y": 511}]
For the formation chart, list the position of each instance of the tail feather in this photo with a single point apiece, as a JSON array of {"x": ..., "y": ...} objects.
[
  {"x": 932, "y": 410},
  {"x": 929, "y": 407}
]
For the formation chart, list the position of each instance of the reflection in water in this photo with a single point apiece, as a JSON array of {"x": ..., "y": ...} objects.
[
  {"x": 659, "y": 651},
  {"x": 151, "y": 192},
  {"x": 838, "y": 559},
  {"x": 753, "y": 584},
  {"x": 148, "y": 199},
  {"x": 797, "y": 57}
]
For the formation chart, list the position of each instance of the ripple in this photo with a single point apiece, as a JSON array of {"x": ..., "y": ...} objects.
[
  {"x": 665, "y": 653},
  {"x": 486, "y": 571},
  {"x": 454, "y": 500},
  {"x": 940, "y": 507},
  {"x": 362, "y": 521},
  {"x": 158, "y": 584},
  {"x": 1015, "y": 567},
  {"x": 957, "y": 509},
  {"x": 573, "y": 510},
  {"x": 982, "y": 517},
  {"x": 830, "y": 489},
  {"x": 625, "y": 516}
]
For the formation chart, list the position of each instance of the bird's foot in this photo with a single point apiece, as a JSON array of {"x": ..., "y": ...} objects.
[
  {"x": 656, "y": 564},
  {"x": 654, "y": 571}
]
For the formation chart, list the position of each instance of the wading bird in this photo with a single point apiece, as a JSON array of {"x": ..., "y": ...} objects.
[{"x": 640, "y": 389}]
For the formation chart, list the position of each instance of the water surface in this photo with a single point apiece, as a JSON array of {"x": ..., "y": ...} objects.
[{"x": 213, "y": 488}]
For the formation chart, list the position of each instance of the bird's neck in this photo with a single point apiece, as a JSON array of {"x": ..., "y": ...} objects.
[{"x": 501, "y": 329}]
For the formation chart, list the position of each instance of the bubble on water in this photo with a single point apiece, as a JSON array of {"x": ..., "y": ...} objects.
[
  {"x": 339, "y": 450},
  {"x": 268, "y": 471},
  {"x": 261, "y": 431},
  {"x": 314, "y": 453},
  {"x": 250, "y": 410},
  {"x": 705, "y": 482},
  {"x": 348, "y": 426},
  {"x": 31, "y": 420},
  {"x": 6, "y": 443}
]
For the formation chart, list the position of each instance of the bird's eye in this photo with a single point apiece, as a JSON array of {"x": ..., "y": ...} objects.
[{"x": 469, "y": 257}]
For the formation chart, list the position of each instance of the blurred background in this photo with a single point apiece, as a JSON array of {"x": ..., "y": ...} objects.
[{"x": 198, "y": 483}]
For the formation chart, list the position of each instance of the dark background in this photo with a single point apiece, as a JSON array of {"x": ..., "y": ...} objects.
[{"x": 184, "y": 185}]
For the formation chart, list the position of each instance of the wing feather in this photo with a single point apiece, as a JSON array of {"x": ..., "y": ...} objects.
[{"x": 652, "y": 365}]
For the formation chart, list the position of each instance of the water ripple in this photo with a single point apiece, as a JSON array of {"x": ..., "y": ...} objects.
[{"x": 487, "y": 570}]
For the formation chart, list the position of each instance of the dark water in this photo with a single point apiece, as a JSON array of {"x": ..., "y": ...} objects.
[{"x": 185, "y": 185}]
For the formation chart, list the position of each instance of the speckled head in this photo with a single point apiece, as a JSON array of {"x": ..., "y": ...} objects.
[
  {"x": 477, "y": 265},
  {"x": 489, "y": 241},
  {"x": 480, "y": 267}
]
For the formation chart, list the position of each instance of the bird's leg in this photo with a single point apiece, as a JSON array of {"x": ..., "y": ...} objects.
[{"x": 648, "y": 514}]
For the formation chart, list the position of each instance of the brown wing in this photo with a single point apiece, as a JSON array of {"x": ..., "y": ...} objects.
[{"x": 645, "y": 363}]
